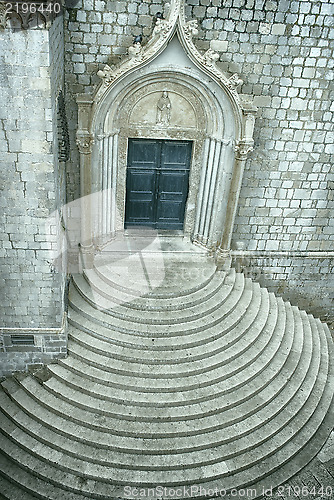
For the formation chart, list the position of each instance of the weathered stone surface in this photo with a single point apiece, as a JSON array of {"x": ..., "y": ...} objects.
[
  {"x": 32, "y": 180},
  {"x": 283, "y": 53}
]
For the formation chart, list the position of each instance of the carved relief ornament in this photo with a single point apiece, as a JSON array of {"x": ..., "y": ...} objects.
[
  {"x": 162, "y": 28},
  {"x": 243, "y": 149},
  {"x": 85, "y": 143},
  {"x": 106, "y": 75}
]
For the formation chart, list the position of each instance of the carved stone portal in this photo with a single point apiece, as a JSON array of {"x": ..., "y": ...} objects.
[{"x": 167, "y": 90}]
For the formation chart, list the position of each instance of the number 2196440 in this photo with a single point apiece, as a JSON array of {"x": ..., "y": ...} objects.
[
  {"x": 296, "y": 491},
  {"x": 32, "y": 8}
]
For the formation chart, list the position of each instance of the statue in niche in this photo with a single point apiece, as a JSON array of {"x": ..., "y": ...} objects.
[{"x": 163, "y": 109}]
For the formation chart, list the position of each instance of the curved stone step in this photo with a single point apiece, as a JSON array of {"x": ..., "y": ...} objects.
[
  {"x": 232, "y": 394},
  {"x": 290, "y": 460},
  {"x": 233, "y": 464},
  {"x": 100, "y": 289},
  {"x": 218, "y": 419},
  {"x": 9, "y": 489},
  {"x": 270, "y": 422},
  {"x": 260, "y": 320},
  {"x": 238, "y": 299},
  {"x": 43, "y": 412},
  {"x": 213, "y": 356},
  {"x": 165, "y": 392},
  {"x": 150, "y": 339},
  {"x": 47, "y": 481},
  {"x": 172, "y": 340},
  {"x": 225, "y": 396},
  {"x": 129, "y": 276},
  {"x": 158, "y": 378},
  {"x": 17, "y": 483},
  {"x": 165, "y": 314},
  {"x": 237, "y": 439}
]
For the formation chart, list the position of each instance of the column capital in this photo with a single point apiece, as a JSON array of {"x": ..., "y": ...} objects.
[{"x": 85, "y": 143}]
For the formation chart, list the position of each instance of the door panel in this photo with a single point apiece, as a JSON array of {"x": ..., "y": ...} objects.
[
  {"x": 157, "y": 183},
  {"x": 140, "y": 197},
  {"x": 176, "y": 155},
  {"x": 172, "y": 191},
  {"x": 144, "y": 154}
]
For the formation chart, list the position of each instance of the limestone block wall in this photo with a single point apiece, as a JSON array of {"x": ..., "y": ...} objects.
[
  {"x": 31, "y": 69},
  {"x": 97, "y": 32},
  {"x": 282, "y": 50}
]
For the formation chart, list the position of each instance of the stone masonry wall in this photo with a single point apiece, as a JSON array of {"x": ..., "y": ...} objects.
[
  {"x": 31, "y": 287},
  {"x": 283, "y": 51},
  {"x": 98, "y": 32}
]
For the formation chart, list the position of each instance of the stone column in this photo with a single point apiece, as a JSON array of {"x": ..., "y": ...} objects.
[
  {"x": 244, "y": 146},
  {"x": 212, "y": 156},
  {"x": 85, "y": 143},
  {"x": 107, "y": 199},
  {"x": 223, "y": 253}
]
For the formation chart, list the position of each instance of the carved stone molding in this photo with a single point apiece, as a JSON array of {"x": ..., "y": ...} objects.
[
  {"x": 210, "y": 57},
  {"x": 162, "y": 28},
  {"x": 234, "y": 81},
  {"x": 191, "y": 28}
]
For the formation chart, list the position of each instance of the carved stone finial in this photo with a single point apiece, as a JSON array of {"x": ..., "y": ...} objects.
[
  {"x": 106, "y": 75},
  {"x": 136, "y": 50},
  {"x": 235, "y": 81},
  {"x": 210, "y": 57},
  {"x": 161, "y": 28},
  {"x": 85, "y": 143},
  {"x": 191, "y": 27}
]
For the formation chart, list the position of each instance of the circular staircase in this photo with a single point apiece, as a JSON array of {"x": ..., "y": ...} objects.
[{"x": 179, "y": 376}]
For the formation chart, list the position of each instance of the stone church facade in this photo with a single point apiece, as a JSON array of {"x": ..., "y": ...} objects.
[{"x": 250, "y": 85}]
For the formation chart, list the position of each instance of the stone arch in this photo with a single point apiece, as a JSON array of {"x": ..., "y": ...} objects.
[{"x": 217, "y": 121}]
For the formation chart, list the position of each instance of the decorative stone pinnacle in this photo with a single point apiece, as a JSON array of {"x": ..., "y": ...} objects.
[{"x": 191, "y": 27}]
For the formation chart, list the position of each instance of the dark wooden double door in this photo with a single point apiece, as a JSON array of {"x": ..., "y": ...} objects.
[{"x": 157, "y": 183}]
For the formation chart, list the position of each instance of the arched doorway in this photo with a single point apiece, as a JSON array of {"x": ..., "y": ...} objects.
[{"x": 175, "y": 95}]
